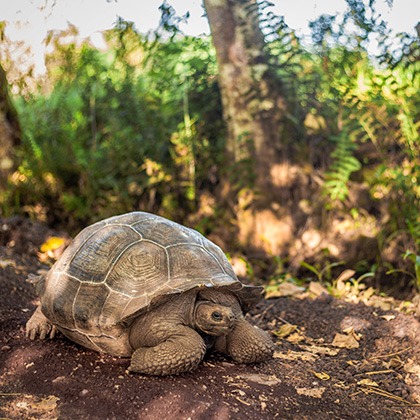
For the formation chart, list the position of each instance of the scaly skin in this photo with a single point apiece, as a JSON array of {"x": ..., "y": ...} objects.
[
  {"x": 39, "y": 324},
  {"x": 181, "y": 352},
  {"x": 166, "y": 340},
  {"x": 246, "y": 343}
]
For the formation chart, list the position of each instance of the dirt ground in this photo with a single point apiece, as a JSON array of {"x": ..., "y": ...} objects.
[{"x": 337, "y": 360}]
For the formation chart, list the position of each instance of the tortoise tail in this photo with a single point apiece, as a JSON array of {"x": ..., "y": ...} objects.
[{"x": 38, "y": 282}]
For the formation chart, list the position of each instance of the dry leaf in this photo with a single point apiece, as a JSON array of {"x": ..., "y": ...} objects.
[
  {"x": 52, "y": 243},
  {"x": 328, "y": 351},
  {"x": 317, "y": 289},
  {"x": 322, "y": 375},
  {"x": 295, "y": 355},
  {"x": 344, "y": 276},
  {"x": 385, "y": 304},
  {"x": 295, "y": 338},
  {"x": 388, "y": 317},
  {"x": 394, "y": 363},
  {"x": 46, "y": 404},
  {"x": 285, "y": 330},
  {"x": 284, "y": 289},
  {"x": 368, "y": 293},
  {"x": 311, "y": 392},
  {"x": 269, "y": 380},
  {"x": 367, "y": 382},
  {"x": 411, "y": 367},
  {"x": 6, "y": 263},
  {"x": 348, "y": 330},
  {"x": 345, "y": 341}
]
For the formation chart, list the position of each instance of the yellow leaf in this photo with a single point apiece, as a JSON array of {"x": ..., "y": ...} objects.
[
  {"x": 327, "y": 351},
  {"x": 52, "y": 243},
  {"x": 295, "y": 355},
  {"x": 367, "y": 382},
  {"x": 46, "y": 404},
  {"x": 311, "y": 392},
  {"x": 285, "y": 330},
  {"x": 345, "y": 341},
  {"x": 322, "y": 375},
  {"x": 295, "y": 338}
]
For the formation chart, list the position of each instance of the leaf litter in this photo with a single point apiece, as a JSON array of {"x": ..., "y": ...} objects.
[{"x": 304, "y": 346}]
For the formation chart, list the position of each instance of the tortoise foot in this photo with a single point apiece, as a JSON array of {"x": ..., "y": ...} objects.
[{"x": 39, "y": 324}]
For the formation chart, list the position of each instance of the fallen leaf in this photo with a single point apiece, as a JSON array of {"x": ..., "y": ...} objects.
[
  {"x": 368, "y": 293},
  {"x": 285, "y": 330},
  {"x": 311, "y": 392},
  {"x": 411, "y": 367},
  {"x": 46, "y": 404},
  {"x": 345, "y": 341},
  {"x": 344, "y": 276},
  {"x": 269, "y": 380},
  {"x": 284, "y": 289},
  {"x": 387, "y": 317},
  {"x": 367, "y": 382},
  {"x": 328, "y": 351},
  {"x": 52, "y": 243},
  {"x": 238, "y": 391},
  {"x": 317, "y": 289},
  {"x": 6, "y": 263},
  {"x": 295, "y": 338},
  {"x": 295, "y": 355},
  {"x": 322, "y": 375},
  {"x": 349, "y": 330},
  {"x": 385, "y": 304},
  {"x": 394, "y": 363}
]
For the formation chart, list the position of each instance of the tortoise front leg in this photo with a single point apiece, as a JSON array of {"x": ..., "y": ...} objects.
[
  {"x": 180, "y": 352},
  {"x": 246, "y": 343},
  {"x": 39, "y": 324}
]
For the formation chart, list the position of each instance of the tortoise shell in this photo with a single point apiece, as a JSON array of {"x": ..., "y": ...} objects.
[{"x": 115, "y": 269}]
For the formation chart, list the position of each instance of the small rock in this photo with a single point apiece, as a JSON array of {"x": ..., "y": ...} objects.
[
  {"x": 84, "y": 392},
  {"x": 5, "y": 348},
  {"x": 58, "y": 379}
]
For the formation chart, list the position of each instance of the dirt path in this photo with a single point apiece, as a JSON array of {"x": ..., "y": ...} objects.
[{"x": 309, "y": 378}]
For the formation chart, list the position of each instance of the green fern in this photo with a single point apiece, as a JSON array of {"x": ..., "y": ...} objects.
[{"x": 344, "y": 164}]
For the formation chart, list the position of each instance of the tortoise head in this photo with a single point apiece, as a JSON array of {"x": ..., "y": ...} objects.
[{"x": 213, "y": 319}]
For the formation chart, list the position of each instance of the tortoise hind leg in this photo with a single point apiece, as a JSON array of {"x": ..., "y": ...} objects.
[
  {"x": 39, "y": 324},
  {"x": 180, "y": 352}
]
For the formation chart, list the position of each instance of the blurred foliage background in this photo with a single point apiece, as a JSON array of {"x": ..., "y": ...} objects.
[{"x": 139, "y": 126}]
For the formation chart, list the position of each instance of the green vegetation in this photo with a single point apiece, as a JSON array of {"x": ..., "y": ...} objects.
[{"x": 139, "y": 126}]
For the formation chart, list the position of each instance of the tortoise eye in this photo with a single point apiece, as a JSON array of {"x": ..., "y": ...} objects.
[{"x": 217, "y": 316}]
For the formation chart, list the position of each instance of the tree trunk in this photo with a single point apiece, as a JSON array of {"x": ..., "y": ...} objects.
[
  {"x": 9, "y": 132},
  {"x": 253, "y": 108}
]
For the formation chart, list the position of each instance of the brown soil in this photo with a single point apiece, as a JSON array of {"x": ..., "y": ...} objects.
[{"x": 58, "y": 379}]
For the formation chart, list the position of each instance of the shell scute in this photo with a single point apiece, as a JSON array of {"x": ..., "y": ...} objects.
[
  {"x": 139, "y": 269},
  {"x": 58, "y": 298},
  {"x": 92, "y": 261},
  {"x": 87, "y": 307},
  {"x": 166, "y": 233},
  {"x": 192, "y": 265}
]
